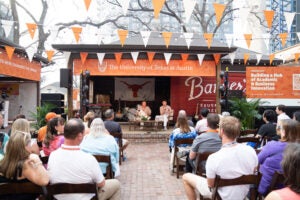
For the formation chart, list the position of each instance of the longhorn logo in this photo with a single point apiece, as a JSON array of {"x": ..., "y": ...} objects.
[{"x": 135, "y": 87}]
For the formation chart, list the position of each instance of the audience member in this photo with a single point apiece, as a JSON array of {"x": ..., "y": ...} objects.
[
  {"x": 88, "y": 118},
  {"x": 114, "y": 127},
  {"x": 205, "y": 142},
  {"x": 291, "y": 170},
  {"x": 165, "y": 111},
  {"x": 43, "y": 130},
  {"x": 182, "y": 130},
  {"x": 19, "y": 165},
  {"x": 69, "y": 164},
  {"x": 144, "y": 111},
  {"x": 271, "y": 154},
  {"x": 231, "y": 161},
  {"x": 99, "y": 141},
  {"x": 296, "y": 116},
  {"x": 280, "y": 110},
  {"x": 201, "y": 125},
  {"x": 3, "y": 139},
  {"x": 182, "y": 114},
  {"x": 18, "y": 116},
  {"x": 54, "y": 137},
  {"x": 269, "y": 128}
]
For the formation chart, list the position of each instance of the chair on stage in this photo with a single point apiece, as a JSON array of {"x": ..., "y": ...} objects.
[{"x": 106, "y": 159}]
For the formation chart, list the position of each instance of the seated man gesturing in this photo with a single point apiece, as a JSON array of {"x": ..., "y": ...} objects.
[{"x": 144, "y": 111}]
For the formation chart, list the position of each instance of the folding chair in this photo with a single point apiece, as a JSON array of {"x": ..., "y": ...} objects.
[
  {"x": 69, "y": 188},
  {"x": 106, "y": 159},
  {"x": 120, "y": 143},
  {"x": 255, "y": 140},
  {"x": 200, "y": 158}
]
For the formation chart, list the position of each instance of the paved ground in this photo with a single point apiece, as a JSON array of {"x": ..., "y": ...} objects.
[{"x": 145, "y": 174}]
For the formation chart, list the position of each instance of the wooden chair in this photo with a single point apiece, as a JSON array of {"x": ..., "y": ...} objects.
[
  {"x": 277, "y": 181},
  {"x": 200, "y": 157},
  {"x": 256, "y": 140},
  {"x": 68, "y": 188},
  {"x": 44, "y": 159},
  {"x": 106, "y": 159},
  {"x": 249, "y": 132},
  {"x": 252, "y": 179},
  {"x": 22, "y": 188},
  {"x": 120, "y": 143},
  {"x": 177, "y": 143}
]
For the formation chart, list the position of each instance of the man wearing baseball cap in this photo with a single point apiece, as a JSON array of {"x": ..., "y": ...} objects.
[{"x": 43, "y": 130}]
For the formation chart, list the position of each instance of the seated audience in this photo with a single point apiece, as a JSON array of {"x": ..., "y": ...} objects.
[
  {"x": 16, "y": 117},
  {"x": 69, "y": 164},
  {"x": 296, "y": 116},
  {"x": 165, "y": 111},
  {"x": 114, "y": 127},
  {"x": 182, "y": 114},
  {"x": 201, "y": 125},
  {"x": 231, "y": 161},
  {"x": 3, "y": 139},
  {"x": 99, "y": 141},
  {"x": 205, "y": 142},
  {"x": 280, "y": 111},
  {"x": 43, "y": 130},
  {"x": 54, "y": 137},
  {"x": 20, "y": 165},
  {"x": 271, "y": 154},
  {"x": 88, "y": 117},
  {"x": 269, "y": 128},
  {"x": 291, "y": 170},
  {"x": 144, "y": 111}
]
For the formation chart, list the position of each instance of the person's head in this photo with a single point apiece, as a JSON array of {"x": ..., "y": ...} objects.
[
  {"x": 73, "y": 128},
  {"x": 20, "y": 125},
  {"x": 296, "y": 116},
  {"x": 109, "y": 114},
  {"x": 144, "y": 103},
  {"x": 17, "y": 151},
  {"x": 182, "y": 122},
  {"x": 181, "y": 114},
  {"x": 213, "y": 120},
  {"x": 204, "y": 112},
  {"x": 49, "y": 116},
  {"x": 164, "y": 102},
  {"x": 97, "y": 127},
  {"x": 88, "y": 115},
  {"x": 230, "y": 127},
  {"x": 289, "y": 130},
  {"x": 269, "y": 115},
  {"x": 291, "y": 166},
  {"x": 280, "y": 109},
  {"x": 18, "y": 116}
]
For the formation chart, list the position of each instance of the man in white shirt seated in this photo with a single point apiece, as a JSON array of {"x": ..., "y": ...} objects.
[
  {"x": 165, "y": 112},
  {"x": 201, "y": 125},
  {"x": 280, "y": 110}
]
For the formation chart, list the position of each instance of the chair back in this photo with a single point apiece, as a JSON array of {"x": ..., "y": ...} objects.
[
  {"x": 255, "y": 140},
  {"x": 248, "y": 132},
  {"x": 120, "y": 143},
  {"x": 252, "y": 179},
  {"x": 21, "y": 188},
  {"x": 44, "y": 159},
  {"x": 68, "y": 188},
  {"x": 106, "y": 159},
  {"x": 200, "y": 158},
  {"x": 277, "y": 182}
]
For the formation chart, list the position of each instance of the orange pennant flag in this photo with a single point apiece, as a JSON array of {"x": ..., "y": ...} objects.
[
  {"x": 184, "y": 57},
  {"x": 31, "y": 29},
  {"x": 219, "y": 10},
  {"x": 248, "y": 38},
  {"x": 269, "y": 15},
  {"x": 150, "y": 56},
  {"x": 157, "y": 5},
  {"x": 167, "y": 37},
  {"x": 83, "y": 56},
  {"x": 10, "y": 51},
  {"x": 122, "y": 36},
  {"x": 208, "y": 37},
  {"x": 297, "y": 55},
  {"x": 272, "y": 56},
  {"x": 246, "y": 57},
  {"x": 118, "y": 57},
  {"x": 76, "y": 32},
  {"x": 217, "y": 57},
  {"x": 50, "y": 54},
  {"x": 283, "y": 37},
  {"x": 87, "y": 4}
]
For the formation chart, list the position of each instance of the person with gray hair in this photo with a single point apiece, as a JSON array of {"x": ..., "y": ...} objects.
[{"x": 182, "y": 114}]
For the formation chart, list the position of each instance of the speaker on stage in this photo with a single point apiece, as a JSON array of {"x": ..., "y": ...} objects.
[
  {"x": 55, "y": 99},
  {"x": 65, "y": 78}
]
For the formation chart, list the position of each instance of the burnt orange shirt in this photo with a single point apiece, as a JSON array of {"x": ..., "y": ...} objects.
[{"x": 42, "y": 133}]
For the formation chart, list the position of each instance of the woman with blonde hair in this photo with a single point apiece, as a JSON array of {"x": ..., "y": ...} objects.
[
  {"x": 19, "y": 165},
  {"x": 99, "y": 141}
]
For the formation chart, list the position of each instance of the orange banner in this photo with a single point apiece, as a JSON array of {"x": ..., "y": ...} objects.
[
  {"x": 10, "y": 88},
  {"x": 50, "y": 54},
  {"x": 10, "y": 51},
  {"x": 150, "y": 56},
  {"x": 20, "y": 68},
  {"x": 283, "y": 37},
  {"x": 273, "y": 82},
  {"x": 219, "y": 10},
  {"x": 208, "y": 37},
  {"x": 122, "y": 36},
  {"x": 77, "y": 31},
  {"x": 248, "y": 38},
  {"x": 269, "y": 15},
  {"x": 110, "y": 67},
  {"x": 246, "y": 57},
  {"x": 217, "y": 57},
  {"x": 87, "y": 4},
  {"x": 157, "y": 5},
  {"x": 31, "y": 29}
]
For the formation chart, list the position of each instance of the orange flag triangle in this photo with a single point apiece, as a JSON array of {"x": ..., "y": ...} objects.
[
  {"x": 272, "y": 56},
  {"x": 157, "y": 5},
  {"x": 283, "y": 37},
  {"x": 269, "y": 15},
  {"x": 10, "y": 51},
  {"x": 184, "y": 57},
  {"x": 246, "y": 57},
  {"x": 31, "y": 29},
  {"x": 76, "y": 32},
  {"x": 248, "y": 38},
  {"x": 167, "y": 37},
  {"x": 83, "y": 56},
  {"x": 122, "y": 36},
  {"x": 50, "y": 54},
  {"x": 219, "y": 10},
  {"x": 208, "y": 37},
  {"x": 118, "y": 57},
  {"x": 150, "y": 56},
  {"x": 217, "y": 57},
  {"x": 297, "y": 55},
  {"x": 87, "y": 4}
]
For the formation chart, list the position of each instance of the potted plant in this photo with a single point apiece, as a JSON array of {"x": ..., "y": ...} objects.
[{"x": 40, "y": 114}]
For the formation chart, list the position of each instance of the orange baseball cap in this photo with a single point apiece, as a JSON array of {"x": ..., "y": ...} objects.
[{"x": 50, "y": 116}]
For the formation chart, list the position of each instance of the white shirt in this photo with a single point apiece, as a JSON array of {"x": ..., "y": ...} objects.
[{"x": 201, "y": 125}]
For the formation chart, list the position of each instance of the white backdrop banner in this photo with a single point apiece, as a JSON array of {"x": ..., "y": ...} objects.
[{"x": 135, "y": 89}]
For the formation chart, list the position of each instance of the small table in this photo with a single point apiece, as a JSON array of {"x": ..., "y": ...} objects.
[{"x": 146, "y": 125}]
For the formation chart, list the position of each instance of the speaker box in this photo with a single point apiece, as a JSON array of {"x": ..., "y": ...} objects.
[
  {"x": 235, "y": 93},
  {"x": 65, "y": 78},
  {"x": 52, "y": 97},
  {"x": 55, "y": 103},
  {"x": 58, "y": 110}
]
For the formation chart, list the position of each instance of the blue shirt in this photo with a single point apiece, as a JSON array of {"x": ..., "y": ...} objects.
[
  {"x": 176, "y": 134},
  {"x": 3, "y": 141}
]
